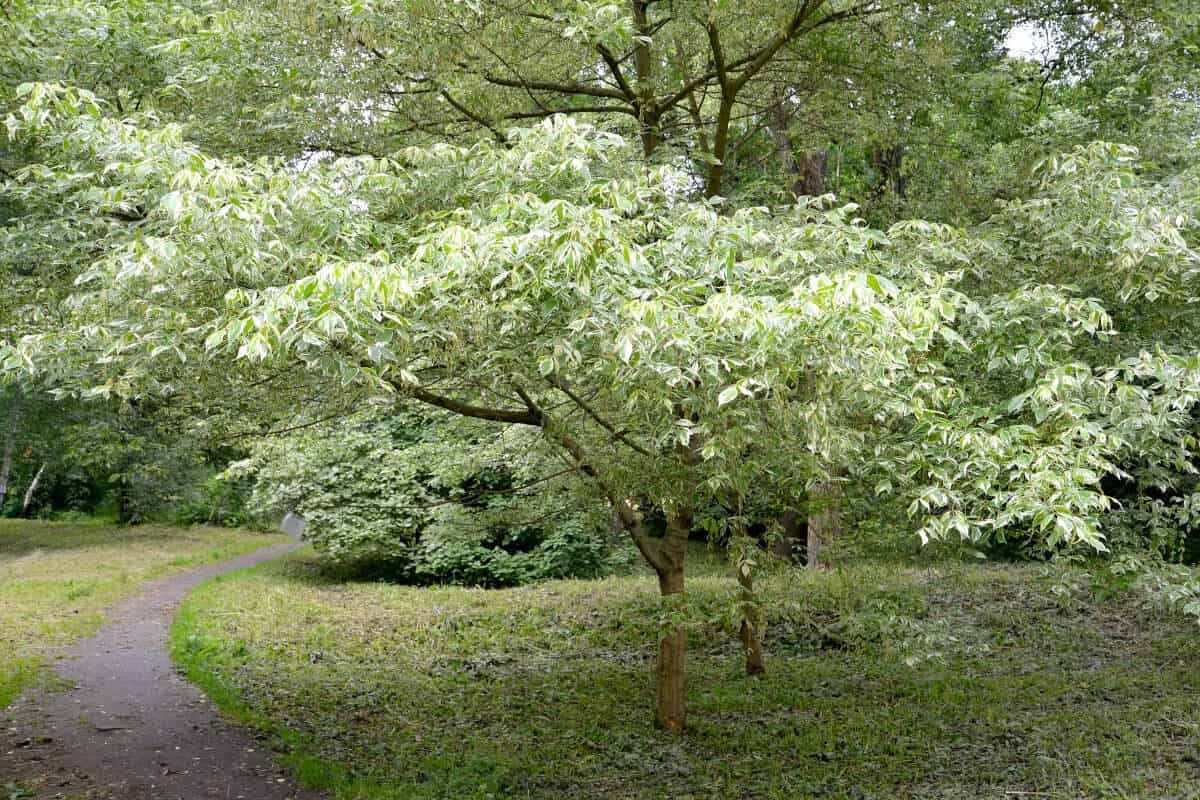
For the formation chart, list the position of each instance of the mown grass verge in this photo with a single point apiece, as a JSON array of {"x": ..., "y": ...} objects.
[
  {"x": 56, "y": 579},
  {"x": 953, "y": 681}
]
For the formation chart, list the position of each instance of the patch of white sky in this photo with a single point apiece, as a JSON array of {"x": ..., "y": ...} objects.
[{"x": 1032, "y": 42}]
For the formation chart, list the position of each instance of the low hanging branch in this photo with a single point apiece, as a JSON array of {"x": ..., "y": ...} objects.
[{"x": 512, "y": 417}]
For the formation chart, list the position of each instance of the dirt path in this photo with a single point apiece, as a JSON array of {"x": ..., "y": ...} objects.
[{"x": 127, "y": 727}]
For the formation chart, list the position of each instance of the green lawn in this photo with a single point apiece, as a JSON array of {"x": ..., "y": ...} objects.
[
  {"x": 954, "y": 681},
  {"x": 56, "y": 579}
]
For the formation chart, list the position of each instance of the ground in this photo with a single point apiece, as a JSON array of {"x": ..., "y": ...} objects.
[
  {"x": 884, "y": 681},
  {"x": 56, "y": 579}
]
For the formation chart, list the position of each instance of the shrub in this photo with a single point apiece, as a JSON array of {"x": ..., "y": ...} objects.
[
  {"x": 216, "y": 500},
  {"x": 507, "y": 556},
  {"x": 427, "y": 499}
]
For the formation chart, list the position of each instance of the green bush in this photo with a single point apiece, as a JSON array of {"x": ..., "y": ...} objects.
[
  {"x": 512, "y": 556},
  {"x": 216, "y": 501},
  {"x": 423, "y": 499}
]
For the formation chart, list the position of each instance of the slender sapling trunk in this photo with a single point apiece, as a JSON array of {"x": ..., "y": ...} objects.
[
  {"x": 27, "y": 505},
  {"x": 751, "y": 630}
]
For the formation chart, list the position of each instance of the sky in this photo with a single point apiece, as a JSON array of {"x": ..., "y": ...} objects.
[{"x": 1029, "y": 41}]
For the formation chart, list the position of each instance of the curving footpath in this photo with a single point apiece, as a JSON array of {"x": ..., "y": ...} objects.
[{"x": 128, "y": 727}]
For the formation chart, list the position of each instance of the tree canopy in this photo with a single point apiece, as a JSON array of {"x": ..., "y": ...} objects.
[{"x": 539, "y": 219}]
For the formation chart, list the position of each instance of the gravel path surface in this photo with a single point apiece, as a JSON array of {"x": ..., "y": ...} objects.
[{"x": 127, "y": 726}]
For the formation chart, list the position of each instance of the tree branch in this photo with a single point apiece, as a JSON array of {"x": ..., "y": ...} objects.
[
  {"x": 511, "y": 417},
  {"x": 568, "y": 87},
  {"x": 756, "y": 59},
  {"x": 861, "y": 11},
  {"x": 549, "y": 112},
  {"x": 288, "y": 429},
  {"x": 466, "y": 112},
  {"x": 608, "y": 426},
  {"x": 718, "y": 53},
  {"x": 629, "y": 518},
  {"x": 615, "y": 68}
]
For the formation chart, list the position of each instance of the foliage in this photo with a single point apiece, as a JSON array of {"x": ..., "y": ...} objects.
[
  {"x": 429, "y": 498},
  {"x": 217, "y": 500},
  {"x": 1099, "y": 225},
  {"x": 721, "y": 329},
  {"x": 189, "y": 249},
  {"x": 1077, "y": 386},
  {"x": 650, "y": 340},
  {"x": 1172, "y": 588}
]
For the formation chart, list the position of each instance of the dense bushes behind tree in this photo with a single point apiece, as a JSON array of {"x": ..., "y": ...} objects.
[{"x": 385, "y": 496}]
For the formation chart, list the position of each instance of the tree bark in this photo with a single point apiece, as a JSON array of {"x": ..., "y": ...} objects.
[
  {"x": 778, "y": 122},
  {"x": 647, "y": 113},
  {"x": 751, "y": 630},
  {"x": 126, "y": 505},
  {"x": 811, "y": 173},
  {"x": 787, "y": 544},
  {"x": 33, "y": 485},
  {"x": 743, "y": 549},
  {"x": 670, "y": 708},
  {"x": 666, "y": 557},
  {"x": 10, "y": 443},
  {"x": 127, "y": 512},
  {"x": 824, "y": 522},
  {"x": 807, "y": 174},
  {"x": 888, "y": 162},
  {"x": 716, "y": 170}
]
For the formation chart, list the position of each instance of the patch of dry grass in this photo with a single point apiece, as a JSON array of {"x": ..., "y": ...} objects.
[{"x": 56, "y": 579}]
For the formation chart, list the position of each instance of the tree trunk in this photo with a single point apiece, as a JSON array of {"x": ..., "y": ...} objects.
[
  {"x": 670, "y": 708},
  {"x": 784, "y": 149},
  {"x": 811, "y": 174},
  {"x": 666, "y": 556},
  {"x": 720, "y": 151},
  {"x": 824, "y": 522},
  {"x": 806, "y": 173},
  {"x": 124, "y": 506},
  {"x": 33, "y": 485},
  {"x": 751, "y": 630},
  {"x": 127, "y": 511},
  {"x": 888, "y": 162},
  {"x": 10, "y": 443},
  {"x": 787, "y": 544},
  {"x": 643, "y": 62}
]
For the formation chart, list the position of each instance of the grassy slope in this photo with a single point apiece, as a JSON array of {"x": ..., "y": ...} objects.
[
  {"x": 381, "y": 691},
  {"x": 57, "y": 578}
]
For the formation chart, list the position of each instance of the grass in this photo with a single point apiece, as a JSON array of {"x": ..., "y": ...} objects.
[
  {"x": 954, "y": 681},
  {"x": 56, "y": 579}
]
